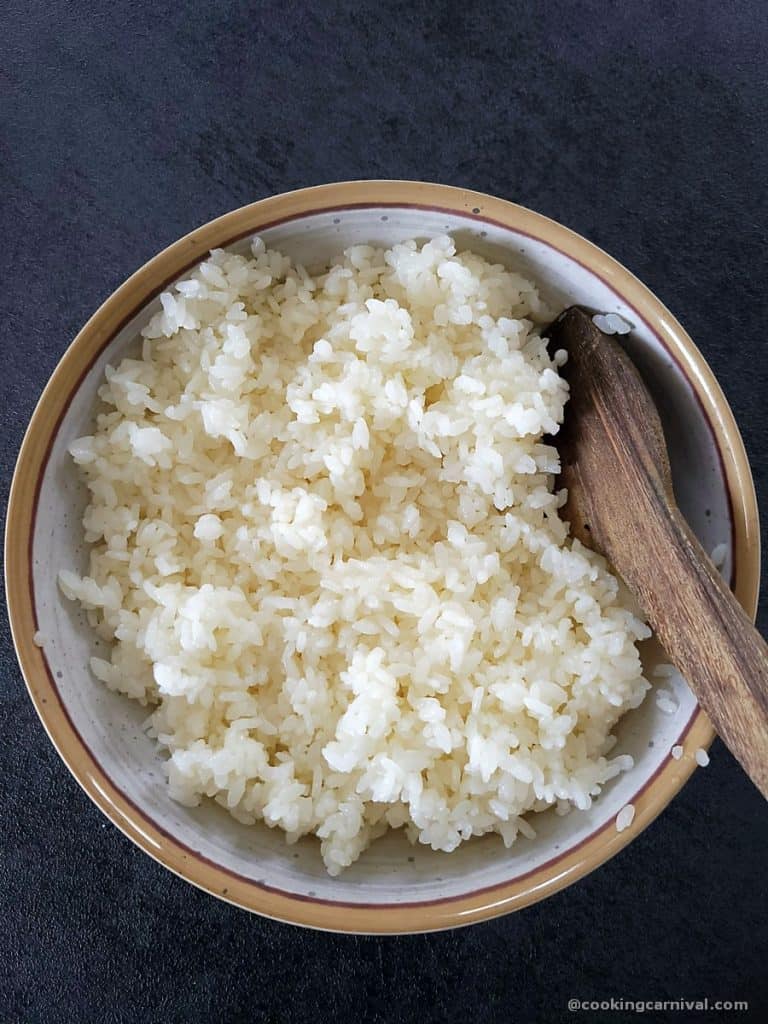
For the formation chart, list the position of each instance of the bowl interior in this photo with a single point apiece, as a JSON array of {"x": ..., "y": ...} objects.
[{"x": 391, "y": 871}]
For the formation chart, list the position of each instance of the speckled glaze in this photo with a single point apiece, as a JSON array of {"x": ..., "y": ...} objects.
[{"x": 394, "y": 887}]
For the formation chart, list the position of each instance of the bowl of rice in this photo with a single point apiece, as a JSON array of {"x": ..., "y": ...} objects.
[{"x": 288, "y": 580}]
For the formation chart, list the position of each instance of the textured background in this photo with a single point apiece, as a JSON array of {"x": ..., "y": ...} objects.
[{"x": 126, "y": 124}]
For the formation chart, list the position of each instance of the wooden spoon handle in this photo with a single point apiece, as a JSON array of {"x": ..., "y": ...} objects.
[
  {"x": 621, "y": 502},
  {"x": 709, "y": 638}
]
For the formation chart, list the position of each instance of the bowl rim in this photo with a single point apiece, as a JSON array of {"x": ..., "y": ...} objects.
[{"x": 101, "y": 328}]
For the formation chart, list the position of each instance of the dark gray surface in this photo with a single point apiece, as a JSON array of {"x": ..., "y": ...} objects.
[{"x": 125, "y": 125}]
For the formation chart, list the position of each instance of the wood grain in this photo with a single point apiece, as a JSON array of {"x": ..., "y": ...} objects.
[{"x": 621, "y": 503}]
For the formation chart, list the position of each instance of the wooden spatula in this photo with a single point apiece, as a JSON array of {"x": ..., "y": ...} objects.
[{"x": 620, "y": 503}]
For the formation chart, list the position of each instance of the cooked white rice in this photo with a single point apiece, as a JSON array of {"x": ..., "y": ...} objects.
[
  {"x": 611, "y": 323},
  {"x": 664, "y": 671},
  {"x": 667, "y": 702},
  {"x": 625, "y": 817},
  {"x": 719, "y": 555},
  {"x": 327, "y": 549}
]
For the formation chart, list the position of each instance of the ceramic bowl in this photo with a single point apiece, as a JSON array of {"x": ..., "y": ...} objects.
[{"x": 394, "y": 887}]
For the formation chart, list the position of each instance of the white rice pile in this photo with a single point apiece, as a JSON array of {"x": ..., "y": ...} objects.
[{"x": 327, "y": 549}]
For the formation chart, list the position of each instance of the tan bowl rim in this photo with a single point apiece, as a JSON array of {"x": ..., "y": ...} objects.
[{"x": 119, "y": 309}]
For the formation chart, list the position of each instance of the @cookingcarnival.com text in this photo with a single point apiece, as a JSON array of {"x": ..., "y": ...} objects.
[{"x": 654, "y": 1005}]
